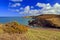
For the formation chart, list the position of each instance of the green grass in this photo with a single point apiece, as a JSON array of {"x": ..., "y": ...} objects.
[{"x": 43, "y": 34}]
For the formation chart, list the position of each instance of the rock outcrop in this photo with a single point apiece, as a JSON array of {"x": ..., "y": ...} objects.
[{"x": 46, "y": 20}]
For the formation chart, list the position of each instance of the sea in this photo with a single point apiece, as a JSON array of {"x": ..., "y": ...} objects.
[{"x": 20, "y": 20}]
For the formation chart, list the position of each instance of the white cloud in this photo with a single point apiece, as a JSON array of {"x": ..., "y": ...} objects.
[
  {"x": 21, "y": 8},
  {"x": 32, "y": 7},
  {"x": 48, "y": 6},
  {"x": 16, "y": 0},
  {"x": 34, "y": 12},
  {"x": 14, "y": 10},
  {"x": 40, "y": 4},
  {"x": 57, "y": 5},
  {"x": 46, "y": 9},
  {"x": 17, "y": 10},
  {"x": 27, "y": 10},
  {"x": 15, "y": 5}
]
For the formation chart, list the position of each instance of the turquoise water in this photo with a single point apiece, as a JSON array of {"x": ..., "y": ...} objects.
[{"x": 21, "y": 20}]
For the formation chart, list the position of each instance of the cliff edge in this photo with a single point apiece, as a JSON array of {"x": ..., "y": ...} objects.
[{"x": 46, "y": 20}]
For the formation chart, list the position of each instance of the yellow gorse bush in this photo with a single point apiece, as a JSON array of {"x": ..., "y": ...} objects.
[{"x": 15, "y": 27}]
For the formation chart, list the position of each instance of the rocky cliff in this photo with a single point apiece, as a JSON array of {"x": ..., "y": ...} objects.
[{"x": 46, "y": 20}]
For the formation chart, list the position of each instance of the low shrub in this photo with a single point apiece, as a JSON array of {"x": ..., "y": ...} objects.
[{"x": 15, "y": 27}]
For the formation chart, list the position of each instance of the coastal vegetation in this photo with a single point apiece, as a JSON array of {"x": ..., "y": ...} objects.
[
  {"x": 13, "y": 27},
  {"x": 44, "y": 27},
  {"x": 33, "y": 34}
]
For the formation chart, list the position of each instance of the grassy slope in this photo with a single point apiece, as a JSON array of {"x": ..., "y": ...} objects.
[
  {"x": 33, "y": 34},
  {"x": 43, "y": 34}
]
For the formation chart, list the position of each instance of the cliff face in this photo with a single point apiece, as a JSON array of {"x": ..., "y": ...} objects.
[{"x": 46, "y": 20}]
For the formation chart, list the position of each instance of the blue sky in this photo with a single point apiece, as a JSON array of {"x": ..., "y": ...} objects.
[{"x": 28, "y": 7}]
